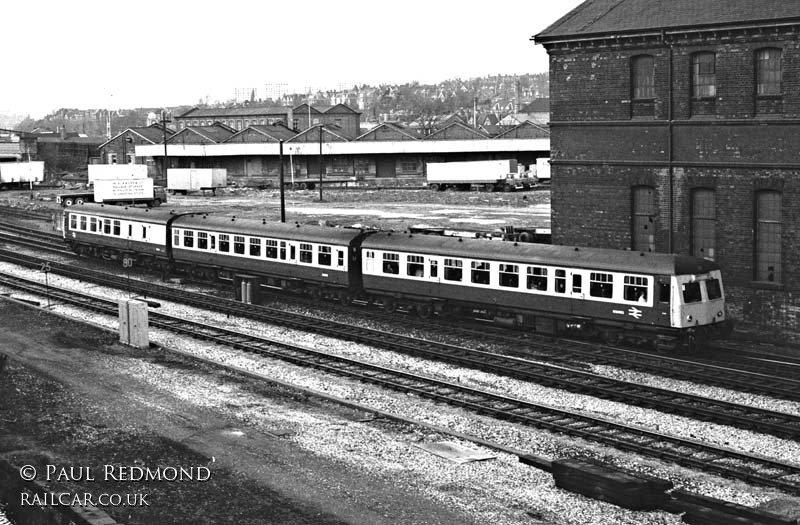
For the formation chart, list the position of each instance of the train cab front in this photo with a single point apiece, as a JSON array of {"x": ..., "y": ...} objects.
[{"x": 698, "y": 306}]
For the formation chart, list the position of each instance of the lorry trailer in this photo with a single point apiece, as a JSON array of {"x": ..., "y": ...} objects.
[{"x": 491, "y": 175}]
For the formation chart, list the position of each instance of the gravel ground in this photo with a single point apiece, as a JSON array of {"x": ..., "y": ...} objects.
[{"x": 490, "y": 492}]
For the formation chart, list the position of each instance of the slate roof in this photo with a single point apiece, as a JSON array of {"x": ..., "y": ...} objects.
[
  {"x": 235, "y": 112},
  {"x": 598, "y": 17}
]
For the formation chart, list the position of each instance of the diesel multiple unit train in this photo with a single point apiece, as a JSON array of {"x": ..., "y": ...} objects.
[{"x": 615, "y": 294}]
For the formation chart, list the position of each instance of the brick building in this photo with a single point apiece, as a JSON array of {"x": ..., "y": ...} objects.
[{"x": 675, "y": 127}]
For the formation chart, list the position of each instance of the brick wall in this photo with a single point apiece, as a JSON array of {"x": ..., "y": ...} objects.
[{"x": 603, "y": 144}]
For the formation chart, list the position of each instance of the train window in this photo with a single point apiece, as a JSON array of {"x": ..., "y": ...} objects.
[
  {"x": 635, "y": 289},
  {"x": 255, "y": 247},
  {"x": 93, "y": 224},
  {"x": 238, "y": 244},
  {"x": 202, "y": 240},
  {"x": 107, "y": 226},
  {"x": 283, "y": 250},
  {"x": 713, "y": 289},
  {"x": 83, "y": 222},
  {"x": 561, "y": 281},
  {"x": 480, "y": 272},
  {"x": 537, "y": 278},
  {"x": 272, "y": 249},
  {"x": 224, "y": 242},
  {"x": 415, "y": 266},
  {"x": 306, "y": 253},
  {"x": 663, "y": 292},
  {"x": 340, "y": 260},
  {"x": 130, "y": 230},
  {"x": 188, "y": 238},
  {"x": 434, "y": 269},
  {"x": 509, "y": 275},
  {"x": 117, "y": 227},
  {"x": 370, "y": 254},
  {"x": 452, "y": 270},
  {"x": 577, "y": 283},
  {"x": 176, "y": 237},
  {"x": 691, "y": 293},
  {"x": 601, "y": 285},
  {"x": 391, "y": 263},
  {"x": 324, "y": 255},
  {"x": 144, "y": 232},
  {"x": 73, "y": 222}
]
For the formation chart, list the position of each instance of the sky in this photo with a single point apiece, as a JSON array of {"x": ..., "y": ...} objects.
[{"x": 99, "y": 54}]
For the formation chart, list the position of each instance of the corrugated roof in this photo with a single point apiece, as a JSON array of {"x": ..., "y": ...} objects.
[{"x": 596, "y": 17}]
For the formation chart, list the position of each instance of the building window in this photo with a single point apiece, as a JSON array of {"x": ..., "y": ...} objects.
[
  {"x": 768, "y": 71},
  {"x": 704, "y": 78},
  {"x": 704, "y": 223},
  {"x": 768, "y": 236},
  {"x": 643, "y": 77},
  {"x": 408, "y": 166},
  {"x": 643, "y": 236}
]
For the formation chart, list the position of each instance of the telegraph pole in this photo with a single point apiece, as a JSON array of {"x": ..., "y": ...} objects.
[
  {"x": 164, "y": 121},
  {"x": 320, "y": 162},
  {"x": 283, "y": 198}
]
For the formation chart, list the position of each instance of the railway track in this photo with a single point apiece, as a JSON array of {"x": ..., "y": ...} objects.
[
  {"x": 698, "y": 407},
  {"x": 692, "y": 454}
]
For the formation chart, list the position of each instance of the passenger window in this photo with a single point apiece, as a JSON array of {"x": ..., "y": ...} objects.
[
  {"x": 713, "y": 289},
  {"x": 272, "y": 249},
  {"x": 415, "y": 266},
  {"x": 434, "y": 268},
  {"x": 452, "y": 270},
  {"x": 83, "y": 223},
  {"x": 224, "y": 243},
  {"x": 325, "y": 255},
  {"x": 283, "y": 250},
  {"x": 73, "y": 222},
  {"x": 601, "y": 285},
  {"x": 391, "y": 263},
  {"x": 341, "y": 257},
  {"x": 537, "y": 278},
  {"x": 635, "y": 289},
  {"x": 93, "y": 224},
  {"x": 202, "y": 240},
  {"x": 117, "y": 228},
  {"x": 107, "y": 226},
  {"x": 188, "y": 238},
  {"x": 480, "y": 272},
  {"x": 306, "y": 253},
  {"x": 509, "y": 275},
  {"x": 561, "y": 281},
  {"x": 238, "y": 244},
  {"x": 255, "y": 247},
  {"x": 691, "y": 293}
]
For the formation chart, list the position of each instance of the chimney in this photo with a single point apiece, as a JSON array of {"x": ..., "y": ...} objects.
[{"x": 290, "y": 118}]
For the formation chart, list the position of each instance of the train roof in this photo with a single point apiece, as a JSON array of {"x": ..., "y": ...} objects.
[
  {"x": 157, "y": 215},
  {"x": 266, "y": 228},
  {"x": 544, "y": 254}
]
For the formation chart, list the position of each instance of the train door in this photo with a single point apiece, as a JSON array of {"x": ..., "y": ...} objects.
[
  {"x": 576, "y": 290},
  {"x": 212, "y": 242}
]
